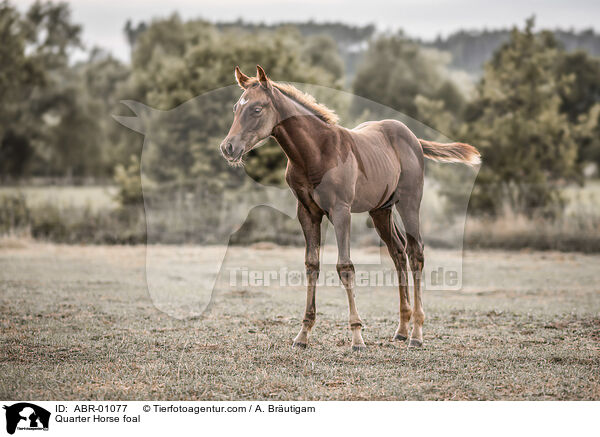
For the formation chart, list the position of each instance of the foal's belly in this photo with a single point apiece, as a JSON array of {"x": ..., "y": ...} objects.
[
  {"x": 376, "y": 183},
  {"x": 372, "y": 194}
]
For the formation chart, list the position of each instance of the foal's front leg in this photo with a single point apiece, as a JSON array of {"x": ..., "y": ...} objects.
[
  {"x": 311, "y": 226},
  {"x": 340, "y": 217}
]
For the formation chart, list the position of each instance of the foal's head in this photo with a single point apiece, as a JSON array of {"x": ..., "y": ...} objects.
[{"x": 254, "y": 116}]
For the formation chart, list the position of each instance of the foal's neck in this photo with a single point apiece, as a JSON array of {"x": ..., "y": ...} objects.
[{"x": 302, "y": 135}]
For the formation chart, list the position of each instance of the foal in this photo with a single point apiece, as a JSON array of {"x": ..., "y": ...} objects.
[{"x": 333, "y": 172}]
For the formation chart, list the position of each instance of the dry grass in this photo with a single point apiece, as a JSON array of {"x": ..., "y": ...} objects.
[
  {"x": 577, "y": 229},
  {"x": 92, "y": 197},
  {"x": 576, "y": 232},
  {"x": 77, "y": 323},
  {"x": 15, "y": 241}
]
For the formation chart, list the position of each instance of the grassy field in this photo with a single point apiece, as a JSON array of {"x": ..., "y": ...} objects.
[
  {"x": 92, "y": 197},
  {"x": 78, "y": 323}
]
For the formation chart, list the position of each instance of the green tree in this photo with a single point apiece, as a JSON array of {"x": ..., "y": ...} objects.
[
  {"x": 583, "y": 90},
  {"x": 580, "y": 102},
  {"x": 587, "y": 132},
  {"x": 19, "y": 76},
  {"x": 103, "y": 82},
  {"x": 127, "y": 179},
  {"x": 42, "y": 116},
  {"x": 527, "y": 144},
  {"x": 395, "y": 71},
  {"x": 321, "y": 51}
]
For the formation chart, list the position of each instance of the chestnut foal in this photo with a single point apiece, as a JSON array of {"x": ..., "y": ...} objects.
[{"x": 334, "y": 171}]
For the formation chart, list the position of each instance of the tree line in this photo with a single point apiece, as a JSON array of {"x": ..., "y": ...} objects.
[
  {"x": 534, "y": 112},
  {"x": 471, "y": 49}
]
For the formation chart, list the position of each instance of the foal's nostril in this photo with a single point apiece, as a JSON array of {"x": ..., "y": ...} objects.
[{"x": 229, "y": 149}]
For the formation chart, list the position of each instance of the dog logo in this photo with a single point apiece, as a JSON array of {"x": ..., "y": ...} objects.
[{"x": 26, "y": 416}]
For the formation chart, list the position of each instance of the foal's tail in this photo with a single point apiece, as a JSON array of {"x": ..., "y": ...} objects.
[{"x": 451, "y": 152}]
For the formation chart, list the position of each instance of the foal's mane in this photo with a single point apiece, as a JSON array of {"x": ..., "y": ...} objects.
[{"x": 306, "y": 100}]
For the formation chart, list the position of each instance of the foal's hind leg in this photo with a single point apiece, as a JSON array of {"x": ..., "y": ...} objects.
[
  {"x": 311, "y": 226},
  {"x": 409, "y": 211},
  {"x": 387, "y": 230}
]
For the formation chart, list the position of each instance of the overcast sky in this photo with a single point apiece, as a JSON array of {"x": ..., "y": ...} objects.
[{"x": 103, "y": 20}]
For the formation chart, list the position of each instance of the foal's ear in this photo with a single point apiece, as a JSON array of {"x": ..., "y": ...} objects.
[
  {"x": 242, "y": 80},
  {"x": 262, "y": 77}
]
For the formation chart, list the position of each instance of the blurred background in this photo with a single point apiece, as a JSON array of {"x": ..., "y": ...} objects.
[{"x": 522, "y": 86}]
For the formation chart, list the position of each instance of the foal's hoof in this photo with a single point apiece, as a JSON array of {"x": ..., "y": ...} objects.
[
  {"x": 400, "y": 337},
  {"x": 415, "y": 343},
  {"x": 358, "y": 347},
  {"x": 299, "y": 345}
]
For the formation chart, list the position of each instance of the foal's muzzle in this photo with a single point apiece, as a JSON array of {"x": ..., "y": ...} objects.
[{"x": 231, "y": 151}]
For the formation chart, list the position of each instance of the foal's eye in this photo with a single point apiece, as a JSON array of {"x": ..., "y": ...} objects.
[{"x": 257, "y": 110}]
